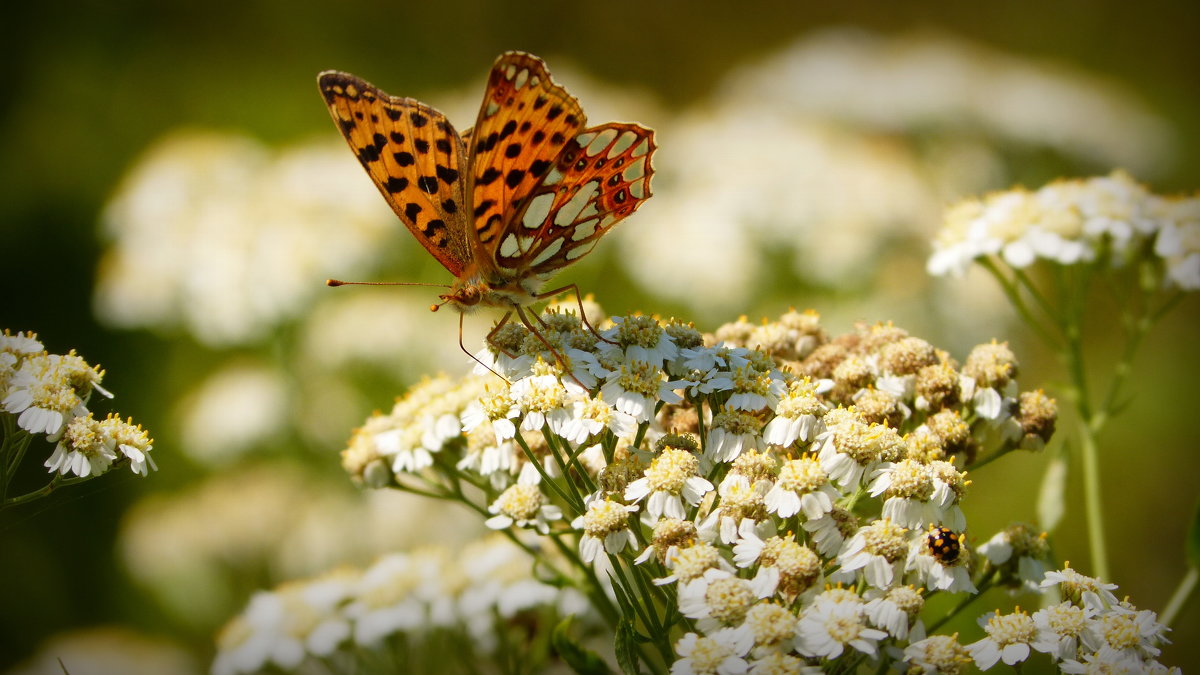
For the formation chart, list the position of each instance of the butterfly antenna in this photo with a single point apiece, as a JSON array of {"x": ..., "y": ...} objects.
[{"x": 334, "y": 283}]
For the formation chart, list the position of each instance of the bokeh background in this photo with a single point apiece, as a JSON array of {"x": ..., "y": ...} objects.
[{"x": 173, "y": 196}]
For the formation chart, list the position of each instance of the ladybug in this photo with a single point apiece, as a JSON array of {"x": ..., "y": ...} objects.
[{"x": 944, "y": 544}]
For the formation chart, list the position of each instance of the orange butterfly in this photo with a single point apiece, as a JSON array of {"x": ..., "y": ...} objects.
[{"x": 503, "y": 206}]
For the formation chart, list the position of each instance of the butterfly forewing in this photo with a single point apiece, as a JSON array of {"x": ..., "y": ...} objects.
[
  {"x": 602, "y": 177},
  {"x": 525, "y": 124},
  {"x": 414, "y": 157}
]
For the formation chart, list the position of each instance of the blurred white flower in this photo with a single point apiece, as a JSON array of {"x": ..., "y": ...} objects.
[
  {"x": 926, "y": 80},
  {"x": 221, "y": 236},
  {"x": 233, "y": 409}
]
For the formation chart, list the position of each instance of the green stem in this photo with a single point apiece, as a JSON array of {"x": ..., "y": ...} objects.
[
  {"x": 55, "y": 483},
  {"x": 1183, "y": 594},
  {"x": 569, "y": 499},
  {"x": 1014, "y": 296},
  {"x": 1093, "y": 504}
]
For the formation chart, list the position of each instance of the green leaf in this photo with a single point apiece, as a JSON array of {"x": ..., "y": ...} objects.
[
  {"x": 626, "y": 647},
  {"x": 582, "y": 660},
  {"x": 1192, "y": 545}
]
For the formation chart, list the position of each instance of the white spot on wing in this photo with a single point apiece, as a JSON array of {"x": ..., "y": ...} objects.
[
  {"x": 578, "y": 252},
  {"x": 584, "y": 139},
  {"x": 522, "y": 77},
  {"x": 538, "y": 209},
  {"x": 492, "y": 107},
  {"x": 584, "y": 230},
  {"x": 625, "y": 140},
  {"x": 510, "y": 71},
  {"x": 601, "y": 141},
  {"x": 548, "y": 252},
  {"x": 634, "y": 171},
  {"x": 642, "y": 148},
  {"x": 508, "y": 247},
  {"x": 552, "y": 177},
  {"x": 570, "y": 211},
  {"x": 638, "y": 190}
]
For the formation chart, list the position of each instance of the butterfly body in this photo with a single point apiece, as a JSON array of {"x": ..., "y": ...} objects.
[{"x": 528, "y": 190}]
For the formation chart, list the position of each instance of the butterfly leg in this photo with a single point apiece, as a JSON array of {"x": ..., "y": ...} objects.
[
  {"x": 579, "y": 302},
  {"x": 557, "y": 355},
  {"x": 488, "y": 340},
  {"x": 496, "y": 329}
]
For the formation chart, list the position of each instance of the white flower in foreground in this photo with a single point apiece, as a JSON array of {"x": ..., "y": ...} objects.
[
  {"x": 1009, "y": 637},
  {"x": 878, "y": 550},
  {"x": 827, "y": 628},
  {"x": 1080, "y": 588},
  {"x": 525, "y": 506},
  {"x": 643, "y": 339},
  {"x": 802, "y": 487},
  {"x": 939, "y": 654},
  {"x": 605, "y": 528},
  {"x": 715, "y": 655},
  {"x": 671, "y": 481},
  {"x": 589, "y": 416},
  {"x": 636, "y": 387},
  {"x": 798, "y": 413},
  {"x": 1061, "y": 628},
  {"x": 720, "y": 599}
]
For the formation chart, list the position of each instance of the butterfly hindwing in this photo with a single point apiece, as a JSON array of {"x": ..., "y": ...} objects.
[
  {"x": 602, "y": 177},
  {"x": 526, "y": 122},
  {"x": 414, "y": 156}
]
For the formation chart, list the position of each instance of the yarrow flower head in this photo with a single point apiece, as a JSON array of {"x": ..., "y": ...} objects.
[
  {"x": 747, "y": 467},
  {"x": 1074, "y": 221},
  {"x": 47, "y": 395}
]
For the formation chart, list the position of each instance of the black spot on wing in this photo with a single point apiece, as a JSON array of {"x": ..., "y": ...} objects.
[
  {"x": 488, "y": 177},
  {"x": 447, "y": 174},
  {"x": 395, "y": 184},
  {"x": 428, "y": 183}
]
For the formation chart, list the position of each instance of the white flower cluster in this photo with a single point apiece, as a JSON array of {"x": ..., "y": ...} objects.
[
  {"x": 222, "y": 236},
  {"x": 48, "y": 395},
  {"x": 1090, "y": 631},
  {"x": 797, "y": 496},
  {"x": 401, "y": 599},
  {"x": 1075, "y": 221}
]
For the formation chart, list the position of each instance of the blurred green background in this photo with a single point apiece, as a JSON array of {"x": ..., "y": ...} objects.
[{"x": 93, "y": 85}]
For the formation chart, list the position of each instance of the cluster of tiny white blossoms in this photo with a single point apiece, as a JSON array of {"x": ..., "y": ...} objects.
[
  {"x": 47, "y": 395},
  {"x": 1075, "y": 221},
  {"x": 1089, "y": 631},
  {"x": 794, "y": 498},
  {"x": 400, "y": 599}
]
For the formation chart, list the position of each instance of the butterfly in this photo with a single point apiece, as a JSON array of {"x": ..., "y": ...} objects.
[{"x": 527, "y": 191}]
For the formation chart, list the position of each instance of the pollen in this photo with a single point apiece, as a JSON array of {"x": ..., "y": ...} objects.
[
  {"x": 640, "y": 377},
  {"x": 520, "y": 502},
  {"x": 693, "y": 561},
  {"x": 671, "y": 469},
  {"x": 885, "y": 538},
  {"x": 643, "y": 331},
  {"x": 802, "y": 475},
  {"x": 729, "y": 599},
  {"x": 604, "y": 518},
  {"x": 1007, "y": 629}
]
